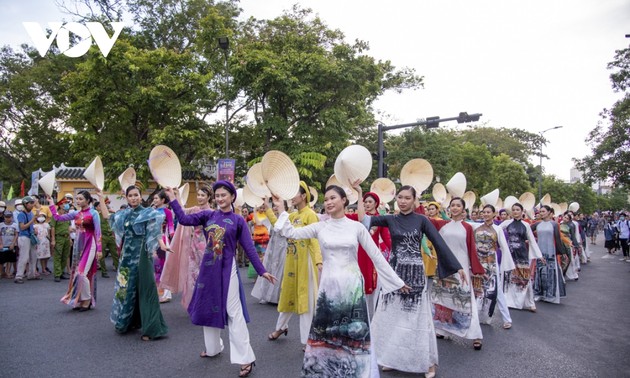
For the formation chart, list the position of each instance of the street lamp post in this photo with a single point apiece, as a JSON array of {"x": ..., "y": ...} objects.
[
  {"x": 540, "y": 168},
  {"x": 430, "y": 122},
  {"x": 224, "y": 44}
]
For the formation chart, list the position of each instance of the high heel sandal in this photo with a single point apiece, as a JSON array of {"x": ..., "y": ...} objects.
[
  {"x": 83, "y": 308},
  {"x": 277, "y": 333},
  {"x": 246, "y": 369},
  {"x": 477, "y": 344}
]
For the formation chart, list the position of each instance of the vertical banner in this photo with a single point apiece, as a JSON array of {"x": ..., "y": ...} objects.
[
  {"x": 1, "y": 190},
  {"x": 34, "y": 182},
  {"x": 225, "y": 169}
]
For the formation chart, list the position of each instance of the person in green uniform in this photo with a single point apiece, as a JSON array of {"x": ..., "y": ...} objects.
[
  {"x": 108, "y": 242},
  {"x": 136, "y": 303},
  {"x": 61, "y": 243}
]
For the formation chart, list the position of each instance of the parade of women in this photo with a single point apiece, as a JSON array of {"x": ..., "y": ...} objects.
[{"x": 373, "y": 289}]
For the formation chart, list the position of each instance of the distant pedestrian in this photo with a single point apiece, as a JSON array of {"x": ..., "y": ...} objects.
[
  {"x": 610, "y": 235},
  {"x": 8, "y": 244},
  {"x": 27, "y": 242},
  {"x": 592, "y": 225},
  {"x": 623, "y": 225},
  {"x": 42, "y": 232}
]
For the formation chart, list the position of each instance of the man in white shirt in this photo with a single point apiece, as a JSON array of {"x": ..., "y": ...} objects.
[{"x": 623, "y": 225}]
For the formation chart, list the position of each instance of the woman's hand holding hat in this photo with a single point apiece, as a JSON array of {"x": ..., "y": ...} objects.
[
  {"x": 50, "y": 200},
  {"x": 170, "y": 193}
]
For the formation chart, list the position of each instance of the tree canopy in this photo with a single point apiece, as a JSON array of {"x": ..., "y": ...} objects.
[{"x": 610, "y": 139}]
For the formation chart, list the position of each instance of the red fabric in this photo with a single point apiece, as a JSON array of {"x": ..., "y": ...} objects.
[
  {"x": 365, "y": 263},
  {"x": 475, "y": 265},
  {"x": 22, "y": 189},
  {"x": 420, "y": 210}
]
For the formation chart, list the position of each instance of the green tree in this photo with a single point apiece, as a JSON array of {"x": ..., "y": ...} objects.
[
  {"x": 509, "y": 176},
  {"x": 584, "y": 195},
  {"x": 610, "y": 140},
  {"x": 475, "y": 162},
  {"x": 559, "y": 190},
  {"x": 307, "y": 89},
  {"x": 32, "y": 128},
  {"x": 518, "y": 144}
]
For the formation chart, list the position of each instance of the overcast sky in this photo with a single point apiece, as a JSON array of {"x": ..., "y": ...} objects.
[{"x": 530, "y": 65}]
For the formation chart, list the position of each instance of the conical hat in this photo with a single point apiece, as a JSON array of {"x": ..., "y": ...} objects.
[
  {"x": 508, "y": 203},
  {"x": 499, "y": 203},
  {"x": 530, "y": 213},
  {"x": 256, "y": 182},
  {"x": 239, "y": 202},
  {"x": 94, "y": 173},
  {"x": 439, "y": 192},
  {"x": 469, "y": 197},
  {"x": 491, "y": 198},
  {"x": 353, "y": 163},
  {"x": 528, "y": 200},
  {"x": 184, "y": 191},
  {"x": 546, "y": 200},
  {"x": 165, "y": 167},
  {"x": 250, "y": 198},
  {"x": 417, "y": 173},
  {"x": 48, "y": 182},
  {"x": 384, "y": 188},
  {"x": 457, "y": 185},
  {"x": 353, "y": 195},
  {"x": 574, "y": 206},
  {"x": 280, "y": 174},
  {"x": 556, "y": 208},
  {"x": 447, "y": 200},
  {"x": 313, "y": 196},
  {"x": 127, "y": 178},
  {"x": 563, "y": 207}
]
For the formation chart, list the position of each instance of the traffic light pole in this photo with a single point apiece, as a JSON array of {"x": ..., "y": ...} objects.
[{"x": 430, "y": 122}]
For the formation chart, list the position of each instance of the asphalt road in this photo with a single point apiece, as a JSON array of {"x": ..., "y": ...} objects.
[{"x": 585, "y": 336}]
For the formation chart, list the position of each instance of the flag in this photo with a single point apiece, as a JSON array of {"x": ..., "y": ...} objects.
[
  {"x": 10, "y": 195},
  {"x": 22, "y": 189}
]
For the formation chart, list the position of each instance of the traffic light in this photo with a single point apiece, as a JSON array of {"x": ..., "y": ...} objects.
[
  {"x": 432, "y": 122},
  {"x": 465, "y": 117}
]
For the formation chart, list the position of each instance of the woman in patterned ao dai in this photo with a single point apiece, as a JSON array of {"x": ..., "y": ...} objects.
[
  {"x": 339, "y": 343},
  {"x": 189, "y": 243},
  {"x": 548, "y": 282},
  {"x": 490, "y": 239},
  {"x": 455, "y": 307},
  {"x": 402, "y": 327},
  {"x": 517, "y": 284},
  {"x": 81, "y": 294}
]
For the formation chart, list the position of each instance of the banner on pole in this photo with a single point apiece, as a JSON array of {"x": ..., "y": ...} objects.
[{"x": 225, "y": 169}]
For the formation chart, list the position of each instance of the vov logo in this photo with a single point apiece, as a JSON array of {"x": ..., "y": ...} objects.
[{"x": 61, "y": 32}]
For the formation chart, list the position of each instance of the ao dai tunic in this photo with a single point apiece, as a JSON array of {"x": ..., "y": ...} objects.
[
  {"x": 489, "y": 240},
  {"x": 402, "y": 327},
  {"x": 517, "y": 285},
  {"x": 548, "y": 283},
  {"x": 463, "y": 319},
  {"x": 136, "y": 303},
  {"x": 339, "y": 340},
  {"x": 208, "y": 306},
  {"x": 182, "y": 266},
  {"x": 86, "y": 243}
]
